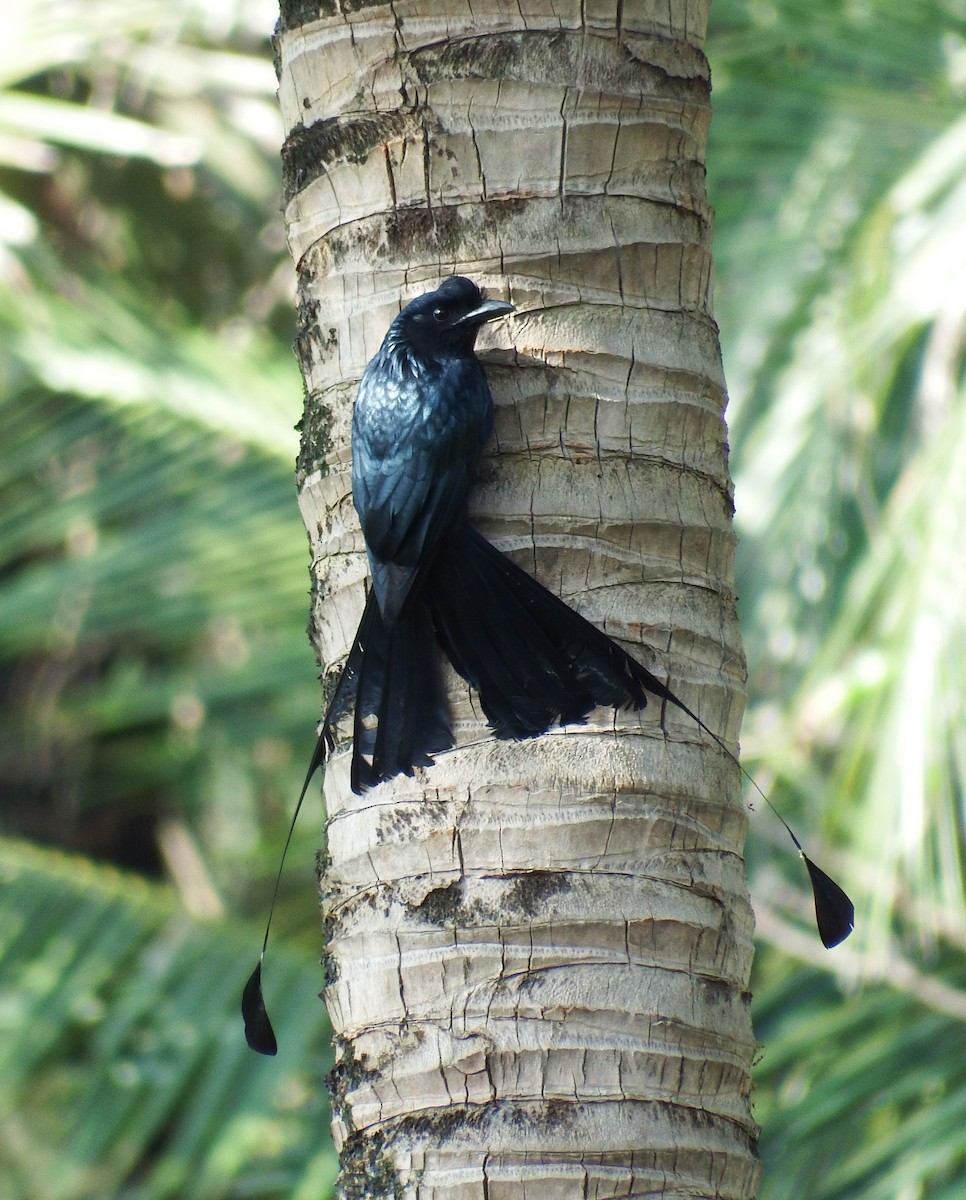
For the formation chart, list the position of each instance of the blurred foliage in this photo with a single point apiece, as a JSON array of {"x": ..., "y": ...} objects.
[
  {"x": 838, "y": 168},
  {"x": 121, "y": 1070},
  {"x": 157, "y": 689},
  {"x": 156, "y": 685}
]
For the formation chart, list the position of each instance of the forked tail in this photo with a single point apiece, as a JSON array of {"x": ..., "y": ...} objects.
[{"x": 534, "y": 662}]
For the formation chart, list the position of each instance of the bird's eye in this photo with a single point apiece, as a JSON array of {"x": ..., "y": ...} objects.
[{"x": 440, "y": 314}]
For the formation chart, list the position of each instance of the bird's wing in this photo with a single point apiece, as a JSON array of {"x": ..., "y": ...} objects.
[{"x": 414, "y": 446}]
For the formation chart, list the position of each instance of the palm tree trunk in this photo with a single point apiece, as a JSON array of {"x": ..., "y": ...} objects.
[{"x": 538, "y": 952}]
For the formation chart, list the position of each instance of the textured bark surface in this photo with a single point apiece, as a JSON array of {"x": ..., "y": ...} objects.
[{"x": 538, "y": 952}]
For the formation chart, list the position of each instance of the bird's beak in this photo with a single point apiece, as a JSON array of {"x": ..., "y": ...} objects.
[{"x": 489, "y": 310}]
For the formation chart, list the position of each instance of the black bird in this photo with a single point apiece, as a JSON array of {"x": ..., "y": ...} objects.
[
  {"x": 422, "y": 416},
  {"x": 421, "y": 419}
]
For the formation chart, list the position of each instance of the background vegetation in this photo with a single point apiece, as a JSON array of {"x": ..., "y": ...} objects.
[{"x": 156, "y": 687}]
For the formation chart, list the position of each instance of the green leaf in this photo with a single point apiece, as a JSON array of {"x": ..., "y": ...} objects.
[{"x": 124, "y": 1066}]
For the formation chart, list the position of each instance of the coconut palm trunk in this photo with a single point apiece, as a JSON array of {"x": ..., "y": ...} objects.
[{"x": 537, "y": 952}]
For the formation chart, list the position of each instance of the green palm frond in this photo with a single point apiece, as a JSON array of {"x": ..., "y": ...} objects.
[
  {"x": 59, "y": 121},
  {"x": 124, "y": 1069},
  {"x": 837, "y": 170},
  {"x": 818, "y": 109},
  {"x": 862, "y": 1096},
  {"x": 154, "y": 585},
  {"x": 857, "y": 473}
]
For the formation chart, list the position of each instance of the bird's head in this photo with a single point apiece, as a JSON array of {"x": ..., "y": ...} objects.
[{"x": 446, "y": 321}]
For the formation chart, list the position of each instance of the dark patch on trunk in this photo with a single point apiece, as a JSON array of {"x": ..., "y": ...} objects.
[
  {"x": 351, "y": 6},
  {"x": 548, "y": 1114},
  {"x": 348, "y": 1074},
  {"x": 411, "y": 232},
  {"x": 312, "y": 343},
  {"x": 293, "y": 13},
  {"x": 526, "y": 891},
  {"x": 328, "y": 961},
  {"x": 717, "y": 992},
  {"x": 559, "y": 59},
  {"x": 532, "y": 888},
  {"x": 367, "y": 1172},
  {"x": 310, "y": 149},
  {"x": 365, "y": 236},
  {"x": 435, "y": 1127},
  {"x": 315, "y": 427},
  {"x": 442, "y": 906}
]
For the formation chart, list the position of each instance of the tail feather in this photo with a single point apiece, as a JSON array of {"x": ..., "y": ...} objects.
[
  {"x": 534, "y": 661},
  {"x": 401, "y": 715},
  {"x": 518, "y": 672},
  {"x": 413, "y": 721},
  {"x": 347, "y": 686},
  {"x": 372, "y": 639},
  {"x": 602, "y": 669}
]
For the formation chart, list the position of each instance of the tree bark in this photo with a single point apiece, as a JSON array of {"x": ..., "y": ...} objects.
[{"x": 538, "y": 952}]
